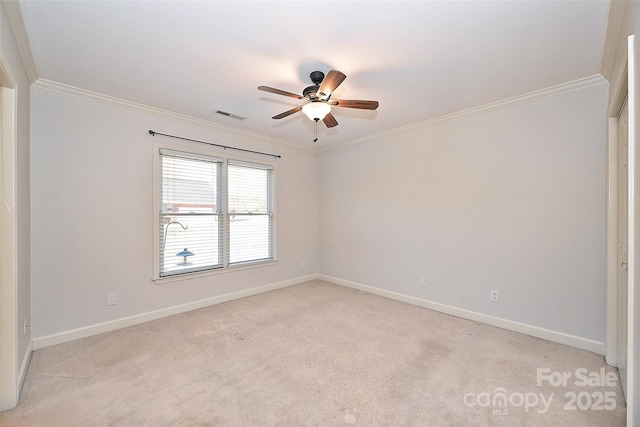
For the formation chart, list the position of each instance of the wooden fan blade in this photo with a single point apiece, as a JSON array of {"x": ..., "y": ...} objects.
[
  {"x": 279, "y": 92},
  {"x": 287, "y": 113},
  {"x": 331, "y": 81},
  {"x": 330, "y": 121},
  {"x": 363, "y": 105}
]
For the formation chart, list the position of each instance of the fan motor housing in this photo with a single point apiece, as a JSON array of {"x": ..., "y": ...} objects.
[
  {"x": 316, "y": 77},
  {"x": 310, "y": 91}
]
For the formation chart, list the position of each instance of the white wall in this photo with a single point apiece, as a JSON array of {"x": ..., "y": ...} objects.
[
  {"x": 92, "y": 212},
  {"x": 511, "y": 199},
  {"x": 14, "y": 64}
]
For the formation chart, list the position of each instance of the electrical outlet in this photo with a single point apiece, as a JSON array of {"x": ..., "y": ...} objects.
[
  {"x": 494, "y": 296},
  {"x": 423, "y": 282},
  {"x": 112, "y": 298},
  {"x": 303, "y": 263}
]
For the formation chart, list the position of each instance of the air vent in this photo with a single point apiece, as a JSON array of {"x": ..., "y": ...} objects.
[{"x": 233, "y": 116}]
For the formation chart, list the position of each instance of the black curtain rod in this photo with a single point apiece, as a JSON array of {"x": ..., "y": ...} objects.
[{"x": 154, "y": 133}]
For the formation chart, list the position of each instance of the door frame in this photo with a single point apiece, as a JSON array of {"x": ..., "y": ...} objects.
[
  {"x": 611, "y": 344},
  {"x": 9, "y": 388},
  {"x": 627, "y": 85},
  {"x": 633, "y": 361}
]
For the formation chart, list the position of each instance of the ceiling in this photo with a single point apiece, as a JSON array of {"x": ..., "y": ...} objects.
[{"x": 419, "y": 59}]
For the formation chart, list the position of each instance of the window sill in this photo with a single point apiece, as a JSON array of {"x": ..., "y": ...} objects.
[{"x": 212, "y": 272}]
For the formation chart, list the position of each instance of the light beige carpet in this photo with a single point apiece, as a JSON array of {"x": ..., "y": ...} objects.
[{"x": 314, "y": 354}]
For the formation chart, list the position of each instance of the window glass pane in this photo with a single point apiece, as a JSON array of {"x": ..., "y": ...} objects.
[
  {"x": 248, "y": 189},
  {"x": 190, "y": 224},
  {"x": 250, "y": 212},
  {"x": 189, "y": 185},
  {"x": 250, "y": 237},
  {"x": 200, "y": 238}
]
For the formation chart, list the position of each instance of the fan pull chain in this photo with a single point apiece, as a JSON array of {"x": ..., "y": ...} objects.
[{"x": 315, "y": 130}]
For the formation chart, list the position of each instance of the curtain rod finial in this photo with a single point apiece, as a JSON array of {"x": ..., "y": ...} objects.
[{"x": 152, "y": 132}]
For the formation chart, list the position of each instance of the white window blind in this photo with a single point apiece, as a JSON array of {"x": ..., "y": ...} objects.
[
  {"x": 190, "y": 223},
  {"x": 212, "y": 213},
  {"x": 250, "y": 212}
]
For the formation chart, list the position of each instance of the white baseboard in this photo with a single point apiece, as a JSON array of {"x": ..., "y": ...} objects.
[
  {"x": 113, "y": 325},
  {"x": 534, "y": 331},
  {"x": 554, "y": 336}
]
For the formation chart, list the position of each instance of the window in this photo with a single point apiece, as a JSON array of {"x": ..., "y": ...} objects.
[
  {"x": 204, "y": 224},
  {"x": 250, "y": 212}
]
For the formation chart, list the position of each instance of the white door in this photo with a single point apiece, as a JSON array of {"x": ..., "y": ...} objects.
[{"x": 623, "y": 243}]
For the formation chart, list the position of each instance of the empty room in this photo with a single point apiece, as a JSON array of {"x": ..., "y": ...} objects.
[{"x": 298, "y": 213}]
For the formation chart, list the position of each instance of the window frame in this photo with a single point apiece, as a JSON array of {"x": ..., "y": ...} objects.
[
  {"x": 270, "y": 214},
  {"x": 218, "y": 214},
  {"x": 210, "y": 154}
]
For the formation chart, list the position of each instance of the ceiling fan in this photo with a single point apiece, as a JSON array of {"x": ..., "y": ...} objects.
[{"x": 318, "y": 100}]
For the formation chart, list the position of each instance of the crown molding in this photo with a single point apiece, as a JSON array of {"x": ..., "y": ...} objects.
[
  {"x": 22, "y": 40},
  {"x": 87, "y": 94},
  {"x": 594, "y": 80}
]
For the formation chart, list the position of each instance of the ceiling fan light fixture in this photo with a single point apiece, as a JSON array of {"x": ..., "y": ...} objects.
[
  {"x": 316, "y": 110},
  {"x": 317, "y": 104}
]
